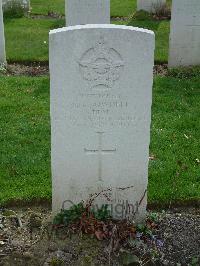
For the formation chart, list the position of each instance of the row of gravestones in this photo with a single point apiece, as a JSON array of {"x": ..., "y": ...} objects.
[
  {"x": 147, "y": 5},
  {"x": 184, "y": 35},
  {"x": 101, "y": 93},
  {"x": 100, "y": 10}
]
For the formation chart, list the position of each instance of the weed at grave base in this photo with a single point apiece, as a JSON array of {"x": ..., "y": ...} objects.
[
  {"x": 2, "y": 69},
  {"x": 83, "y": 220}
]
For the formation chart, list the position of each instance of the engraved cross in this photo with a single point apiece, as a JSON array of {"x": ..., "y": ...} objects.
[{"x": 100, "y": 151}]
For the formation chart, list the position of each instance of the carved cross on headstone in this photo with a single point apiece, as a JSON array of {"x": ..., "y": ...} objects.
[{"x": 99, "y": 151}]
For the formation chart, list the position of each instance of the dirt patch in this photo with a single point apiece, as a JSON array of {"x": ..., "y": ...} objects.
[
  {"x": 114, "y": 18},
  {"x": 26, "y": 70},
  {"x": 161, "y": 70},
  {"x": 37, "y": 69},
  {"x": 181, "y": 232},
  {"x": 27, "y": 238},
  {"x": 50, "y": 15}
]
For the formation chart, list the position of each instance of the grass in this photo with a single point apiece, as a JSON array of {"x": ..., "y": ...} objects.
[
  {"x": 43, "y": 7},
  {"x": 175, "y": 174},
  {"x": 25, "y": 138},
  {"x": 161, "y": 30},
  {"x": 29, "y": 41},
  {"x": 118, "y": 7}
]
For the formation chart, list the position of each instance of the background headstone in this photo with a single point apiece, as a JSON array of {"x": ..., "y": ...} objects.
[
  {"x": 149, "y": 5},
  {"x": 25, "y": 4},
  {"x": 2, "y": 38},
  {"x": 185, "y": 33},
  {"x": 80, "y": 12},
  {"x": 101, "y": 94}
]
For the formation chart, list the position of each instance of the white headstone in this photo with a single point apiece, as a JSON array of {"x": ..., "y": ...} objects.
[
  {"x": 185, "y": 33},
  {"x": 2, "y": 38},
  {"x": 101, "y": 95},
  {"x": 80, "y": 12},
  {"x": 25, "y": 4},
  {"x": 149, "y": 5}
]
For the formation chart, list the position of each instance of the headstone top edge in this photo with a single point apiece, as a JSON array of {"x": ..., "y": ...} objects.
[{"x": 100, "y": 26}]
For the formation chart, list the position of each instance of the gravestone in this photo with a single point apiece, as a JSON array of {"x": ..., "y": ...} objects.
[
  {"x": 101, "y": 94},
  {"x": 80, "y": 12},
  {"x": 2, "y": 38},
  {"x": 25, "y": 4},
  {"x": 149, "y": 5},
  {"x": 185, "y": 33}
]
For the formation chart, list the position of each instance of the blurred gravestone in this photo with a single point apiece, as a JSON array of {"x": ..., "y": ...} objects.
[
  {"x": 2, "y": 38},
  {"x": 80, "y": 12},
  {"x": 185, "y": 33},
  {"x": 16, "y": 4},
  {"x": 150, "y": 5}
]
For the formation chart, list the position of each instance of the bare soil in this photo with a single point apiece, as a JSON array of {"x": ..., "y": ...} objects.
[
  {"x": 27, "y": 238},
  {"x": 38, "y": 69},
  {"x": 35, "y": 69}
]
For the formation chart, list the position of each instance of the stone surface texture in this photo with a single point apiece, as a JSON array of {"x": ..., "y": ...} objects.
[
  {"x": 80, "y": 12},
  {"x": 185, "y": 33},
  {"x": 2, "y": 38},
  {"x": 101, "y": 95},
  {"x": 149, "y": 5},
  {"x": 24, "y": 3}
]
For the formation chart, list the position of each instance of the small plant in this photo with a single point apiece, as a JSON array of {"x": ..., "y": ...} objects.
[
  {"x": 14, "y": 9},
  {"x": 56, "y": 262},
  {"x": 153, "y": 217},
  {"x": 98, "y": 223},
  {"x": 195, "y": 261},
  {"x": 2, "y": 68},
  {"x": 87, "y": 260},
  {"x": 141, "y": 15},
  {"x": 65, "y": 217},
  {"x": 102, "y": 214},
  {"x": 75, "y": 213},
  {"x": 144, "y": 230}
]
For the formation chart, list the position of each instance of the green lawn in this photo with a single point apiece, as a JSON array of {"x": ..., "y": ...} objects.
[
  {"x": 118, "y": 7},
  {"x": 161, "y": 29},
  {"x": 29, "y": 40},
  {"x": 43, "y": 7},
  {"x": 175, "y": 142},
  {"x": 25, "y": 139}
]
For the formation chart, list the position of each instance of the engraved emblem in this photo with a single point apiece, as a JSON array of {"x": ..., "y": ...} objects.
[{"x": 101, "y": 66}]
